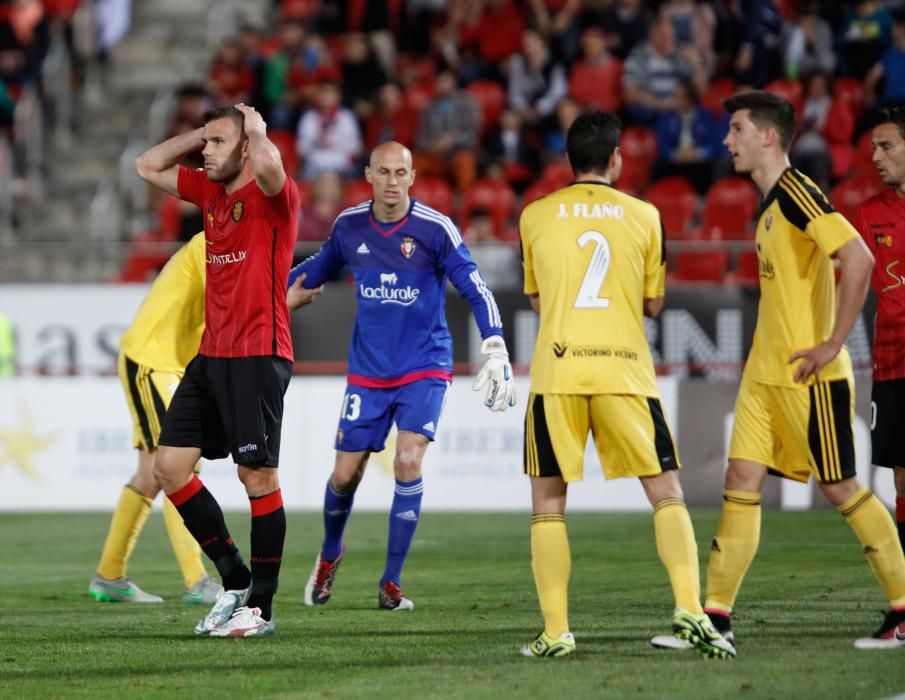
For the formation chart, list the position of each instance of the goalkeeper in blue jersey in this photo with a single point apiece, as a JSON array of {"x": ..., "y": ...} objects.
[{"x": 400, "y": 363}]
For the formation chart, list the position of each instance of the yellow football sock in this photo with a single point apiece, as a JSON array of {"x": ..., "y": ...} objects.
[
  {"x": 186, "y": 549},
  {"x": 125, "y": 526},
  {"x": 551, "y": 562},
  {"x": 679, "y": 552},
  {"x": 733, "y": 548},
  {"x": 877, "y": 533}
]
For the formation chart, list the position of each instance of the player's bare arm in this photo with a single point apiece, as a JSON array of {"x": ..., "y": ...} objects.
[
  {"x": 653, "y": 306},
  {"x": 855, "y": 264},
  {"x": 159, "y": 165},
  {"x": 265, "y": 158},
  {"x": 534, "y": 300},
  {"x": 297, "y": 296}
]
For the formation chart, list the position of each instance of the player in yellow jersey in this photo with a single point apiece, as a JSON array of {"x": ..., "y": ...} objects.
[
  {"x": 793, "y": 414},
  {"x": 594, "y": 267},
  {"x": 160, "y": 342}
]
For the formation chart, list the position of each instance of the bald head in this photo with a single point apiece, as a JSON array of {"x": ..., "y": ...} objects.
[
  {"x": 390, "y": 174},
  {"x": 390, "y": 151}
]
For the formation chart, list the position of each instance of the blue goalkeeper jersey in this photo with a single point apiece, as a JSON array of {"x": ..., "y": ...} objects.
[{"x": 400, "y": 271}]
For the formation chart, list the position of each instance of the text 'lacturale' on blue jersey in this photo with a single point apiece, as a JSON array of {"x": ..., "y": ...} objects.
[{"x": 400, "y": 271}]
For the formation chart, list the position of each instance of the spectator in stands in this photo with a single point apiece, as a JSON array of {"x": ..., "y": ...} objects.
[
  {"x": 558, "y": 22},
  {"x": 501, "y": 261},
  {"x": 823, "y": 121},
  {"x": 567, "y": 112},
  {"x": 283, "y": 104},
  {"x": 329, "y": 137},
  {"x": 537, "y": 83},
  {"x": 687, "y": 140},
  {"x": 808, "y": 42},
  {"x": 596, "y": 80},
  {"x": 694, "y": 23},
  {"x": 192, "y": 101},
  {"x": 231, "y": 80},
  {"x": 322, "y": 207},
  {"x": 485, "y": 33},
  {"x": 7, "y": 106},
  {"x": 626, "y": 23},
  {"x": 510, "y": 146},
  {"x": 654, "y": 70},
  {"x": 891, "y": 69},
  {"x": 362, "y": 74},
  {"x": 758, "y": 25},
  {"x": 391, "y": 121},
  {"x": 864, "y": 36},
  {"x": 448, "y": 131},
  {"x": 251, "y": 39},
  {"x": 24, "y": 40}
]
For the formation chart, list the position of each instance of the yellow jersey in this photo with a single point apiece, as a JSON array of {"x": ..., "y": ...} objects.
[
  {"x": 166, "y": 332},
  {"x": 797, "y": 232},
  {"x": 593, "y": 254}
]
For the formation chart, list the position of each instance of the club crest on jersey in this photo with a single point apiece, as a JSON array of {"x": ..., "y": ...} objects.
[
  {"x": 883, "y": 239},
  {"x": 408, "y": 246},
  {"x": 238, "y": 210},
  {"x": 769, "y": 222}
]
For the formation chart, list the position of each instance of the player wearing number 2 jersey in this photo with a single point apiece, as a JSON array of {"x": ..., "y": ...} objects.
[{"x": 594, "y": 267}]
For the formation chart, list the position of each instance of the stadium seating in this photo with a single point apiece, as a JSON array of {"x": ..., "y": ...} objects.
[
  {"x": 491, "y": 97},
  {"x": 863, "y": 165},
  {"x": 850, "y": 91},
  {"x": 747, "y": 269},
  {"x": 701, "y": 266},
  {"x": 848, "y": 195},
  {"x": 284, "y": 140},
  {"x": 792, "y": 90},
  {"x": 357, "y": 191},
  {"x": 729, "y": 208},
  {"x": 719, "y": 90},
  {"x": 493, "y": 195},
  {"x": 417, "y": 95},
  {"x": 677, "y": 201},
  {"x": 435, "y": 192},
  {"x": 639, "y": 151}
]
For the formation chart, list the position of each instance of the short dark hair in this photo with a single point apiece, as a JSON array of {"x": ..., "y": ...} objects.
[
  {"x": 766, "y": 109},
  {"x": 894, "y": 115},
  {"x": 226, "y": 112},
  {"x": 591, "y": 140}
]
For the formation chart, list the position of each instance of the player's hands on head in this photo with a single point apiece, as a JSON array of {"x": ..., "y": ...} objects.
[
  {"x": 298, "y": 296},
  {"x": 496, "y": 374},
  {"x": 254, "y": 122}
]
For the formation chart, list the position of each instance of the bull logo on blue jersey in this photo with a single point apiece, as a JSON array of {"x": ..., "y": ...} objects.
[{"x": 408, "y": 246}]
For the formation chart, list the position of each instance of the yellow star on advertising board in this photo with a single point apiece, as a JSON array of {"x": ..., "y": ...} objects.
[{"x": 18, "y": 446}]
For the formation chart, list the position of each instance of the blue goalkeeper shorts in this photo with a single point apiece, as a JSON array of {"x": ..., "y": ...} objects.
[{"x": 368, "y": 414}]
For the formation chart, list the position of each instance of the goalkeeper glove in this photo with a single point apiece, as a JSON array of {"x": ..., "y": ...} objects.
[{"x": 497, "y": 372}]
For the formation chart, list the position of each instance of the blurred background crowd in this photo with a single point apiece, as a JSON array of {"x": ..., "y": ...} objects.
[{"x": 483, "y": 92}]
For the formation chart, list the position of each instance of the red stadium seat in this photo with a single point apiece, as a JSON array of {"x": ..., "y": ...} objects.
[
  {"x": 848, "y": 195},
  {"x": 850, "y": 91},
  {"x": 729, "y": 208},
  {"x": 719, "y": 90},
  {"x": 790, "y": 89},
  {"x": 304, "y": 188},
  {"x": 417, "y": 95},
  {"x": 747, "y": 269},
  {"x": 639, "y": 151},
  {"x": 284, "y": 140},
  {"x": 701, "y": 266},
  {"x": 539, "y": 189},
  {"x": 493, "y": 195},
  {"x": 557, "y": 174},
  {"x": 677, "y": 201},
  {"x": 435, "y": 192},
  {"x": 357, "y": 191},
  {"x": 863, "y": 165},
  {"x": 491, "y": 97}
]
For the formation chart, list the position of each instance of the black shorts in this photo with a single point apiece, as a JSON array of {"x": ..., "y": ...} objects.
[
  {"x": 887, "y": 423},
  {"x": 230, "y": 405}
]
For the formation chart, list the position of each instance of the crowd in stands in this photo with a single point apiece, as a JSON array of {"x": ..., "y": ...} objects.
[{"x": 484, "y": 91}]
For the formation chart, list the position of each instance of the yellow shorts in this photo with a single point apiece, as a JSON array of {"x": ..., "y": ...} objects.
[
  {"x": 148, "y": 394},
  {"x": 797, "y": 431},
  {"x": 630, "y": 433}
]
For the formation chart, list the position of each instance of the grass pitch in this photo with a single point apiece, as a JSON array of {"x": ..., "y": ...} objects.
[{"x": 807, "y": 597}]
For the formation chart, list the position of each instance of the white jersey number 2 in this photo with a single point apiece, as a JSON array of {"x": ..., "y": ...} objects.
[{"x": 596, "y": 273}]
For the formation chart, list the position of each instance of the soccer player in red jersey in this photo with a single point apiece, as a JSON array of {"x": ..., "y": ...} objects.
[
  {"x": 881, "y": 221},
  {"x": 230, "y": 400}
]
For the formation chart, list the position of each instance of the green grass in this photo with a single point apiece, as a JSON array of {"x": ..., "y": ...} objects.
[{"x": 808, "y": 595}]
